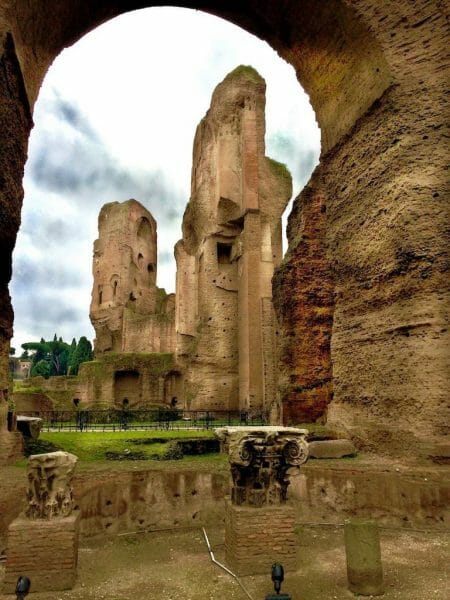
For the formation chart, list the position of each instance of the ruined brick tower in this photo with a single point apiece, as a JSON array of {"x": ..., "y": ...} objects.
[
  {"x": 128, "y": 311},
  {"x": 221, "y": 325},
  {"x": 232, "y": 242}
]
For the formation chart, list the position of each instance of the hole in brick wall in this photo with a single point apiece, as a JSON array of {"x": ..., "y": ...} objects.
[{"x": 223, "y": 253}]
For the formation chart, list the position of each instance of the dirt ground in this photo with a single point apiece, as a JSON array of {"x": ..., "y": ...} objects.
[{"x": 177, "y": 566}]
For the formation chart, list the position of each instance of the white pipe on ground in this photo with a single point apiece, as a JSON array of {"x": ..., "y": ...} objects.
[{"x": 216, "y": 562}]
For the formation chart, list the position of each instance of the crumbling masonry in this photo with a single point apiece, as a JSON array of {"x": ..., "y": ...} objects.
[
  {"x": 220, "y": 326},
  {"x": 375, "y": 72}
]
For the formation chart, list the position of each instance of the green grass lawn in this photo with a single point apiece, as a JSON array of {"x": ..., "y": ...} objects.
[{"x": 93, "y": 446}]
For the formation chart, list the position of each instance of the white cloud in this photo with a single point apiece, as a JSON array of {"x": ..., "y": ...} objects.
[{"x": 115, "y": 119}]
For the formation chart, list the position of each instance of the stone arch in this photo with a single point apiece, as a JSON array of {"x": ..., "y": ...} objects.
[{"x": 369, "y": 68}]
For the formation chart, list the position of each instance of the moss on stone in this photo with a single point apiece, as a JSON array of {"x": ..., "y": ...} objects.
[
  {"x": 162, "y": 361},
  {"x": 245, "y": 71},
  {"x": 27, "y": 390},
  {"x": 279, "y": 169}
]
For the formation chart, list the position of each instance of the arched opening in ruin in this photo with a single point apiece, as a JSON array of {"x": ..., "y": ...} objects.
[
  {"x": 146, "y": 271},
  {"x": 127, "y": 388},
  {"x": 114, "y": 284},
  {"x": 340, "y": 53}
]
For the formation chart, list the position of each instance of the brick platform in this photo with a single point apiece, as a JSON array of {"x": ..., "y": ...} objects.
[
  {"x": 45, "y": 551},
  {"x": 255, "y": 538}
]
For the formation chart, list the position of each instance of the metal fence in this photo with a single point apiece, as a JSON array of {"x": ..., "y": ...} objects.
[{"x": 142, "y": 419}]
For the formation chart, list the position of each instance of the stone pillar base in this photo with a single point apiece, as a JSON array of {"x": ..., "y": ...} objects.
[
  {"x": 45, "y": 551},
  {"x": 255, "y": 538}
]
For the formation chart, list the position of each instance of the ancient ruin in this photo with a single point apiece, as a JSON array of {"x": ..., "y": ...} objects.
[
  {"x": 128, "y": 311},
  {"x": 361, "y": 296},
  {"x": 218, "y": 332},
  {"x": 260, "y": 458},
  {"x": 50, "y": 485},
  {"x": 374, "y": 73},
  {"x": 43, "y": 541},
  {"x": 259, "y": 523},
  {"x": 225, "y": 322}
]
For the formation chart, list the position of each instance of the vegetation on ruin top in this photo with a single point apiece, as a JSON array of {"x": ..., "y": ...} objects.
[
  {"x": 245, "y": 71},
  {"x": 279, "y": 169}
]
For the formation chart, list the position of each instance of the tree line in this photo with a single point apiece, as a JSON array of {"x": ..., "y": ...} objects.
[{"x": 56, "y": 357}]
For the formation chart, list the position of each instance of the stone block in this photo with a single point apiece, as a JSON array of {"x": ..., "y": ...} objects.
[
  {"x": 46, "y": 551},
  {"x": 362, "y": 549},
  {"x": 255, "y": 538},
  {"x": 331, "y": 449}
]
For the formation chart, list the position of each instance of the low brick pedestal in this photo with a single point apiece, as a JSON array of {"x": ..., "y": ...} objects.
[
  {"x": 255, "y": 538},
  {"x": 46, "y": 551}
]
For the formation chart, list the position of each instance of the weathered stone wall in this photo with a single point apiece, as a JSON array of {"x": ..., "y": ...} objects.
[
  {"x": 112, "y": 501},
  {"x": 15, "y": 126},
  {"x": 376, "y": 75},
  {"x": 47, "y": 394},
  {"x": 142, "y": 378},
  {"x": 46, "y": 550},
  {"x": 231, "y": 244},
  {"x": 151, "y": 333},
  {"x": 123, "y": 253},
  {"x": 304, "y": 300},
  {"x": 409, "y": 497},
  {"x": 32, "y": 402}
]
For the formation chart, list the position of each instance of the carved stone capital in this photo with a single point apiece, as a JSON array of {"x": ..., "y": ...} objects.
[
  {"x": 261, "y": 459},
  {"x": 49, "y": 485}
]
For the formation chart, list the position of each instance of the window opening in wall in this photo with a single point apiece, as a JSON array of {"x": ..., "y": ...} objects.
[
  {"x": 223, "y": 253},
  {"x": 150, "y": 268},
  {"x": 100, "y": 295},
  {"x": 114, "y": 290}
]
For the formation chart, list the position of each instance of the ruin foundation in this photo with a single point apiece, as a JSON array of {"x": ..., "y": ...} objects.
[
  {"x": 255, "y": 538},
  {"x": 46, "y": 551}
]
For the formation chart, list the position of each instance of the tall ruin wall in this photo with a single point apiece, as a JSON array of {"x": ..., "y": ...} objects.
[
  {"x": 128, "y": 311},
  {"x": 231, "y": 244}
]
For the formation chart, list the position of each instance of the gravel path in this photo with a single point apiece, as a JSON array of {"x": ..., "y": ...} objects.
[{"x": 176, "y": 566}]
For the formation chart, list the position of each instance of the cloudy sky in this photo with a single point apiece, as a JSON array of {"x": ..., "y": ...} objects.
[{"x": 115, "y": 119}]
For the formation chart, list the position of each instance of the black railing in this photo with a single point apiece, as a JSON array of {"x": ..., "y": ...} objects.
[{"x": 142, "y": 419}]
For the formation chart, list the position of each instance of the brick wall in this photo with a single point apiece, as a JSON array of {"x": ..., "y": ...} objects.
[
  {"x": 255, "y": 538},
  {"x": 44, "y": 551}
]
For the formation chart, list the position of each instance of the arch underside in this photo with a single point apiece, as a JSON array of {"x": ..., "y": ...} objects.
[{"x": 370, "y": 299}]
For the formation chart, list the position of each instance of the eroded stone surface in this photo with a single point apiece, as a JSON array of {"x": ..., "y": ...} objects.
[
  {"x": 226, "y": 327},
  {"x": 50, "y": 485},
  {"x": 128, "y": 311},
  {"x": 375, "y": 75},
  {"x": 260, "y": 460}
]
